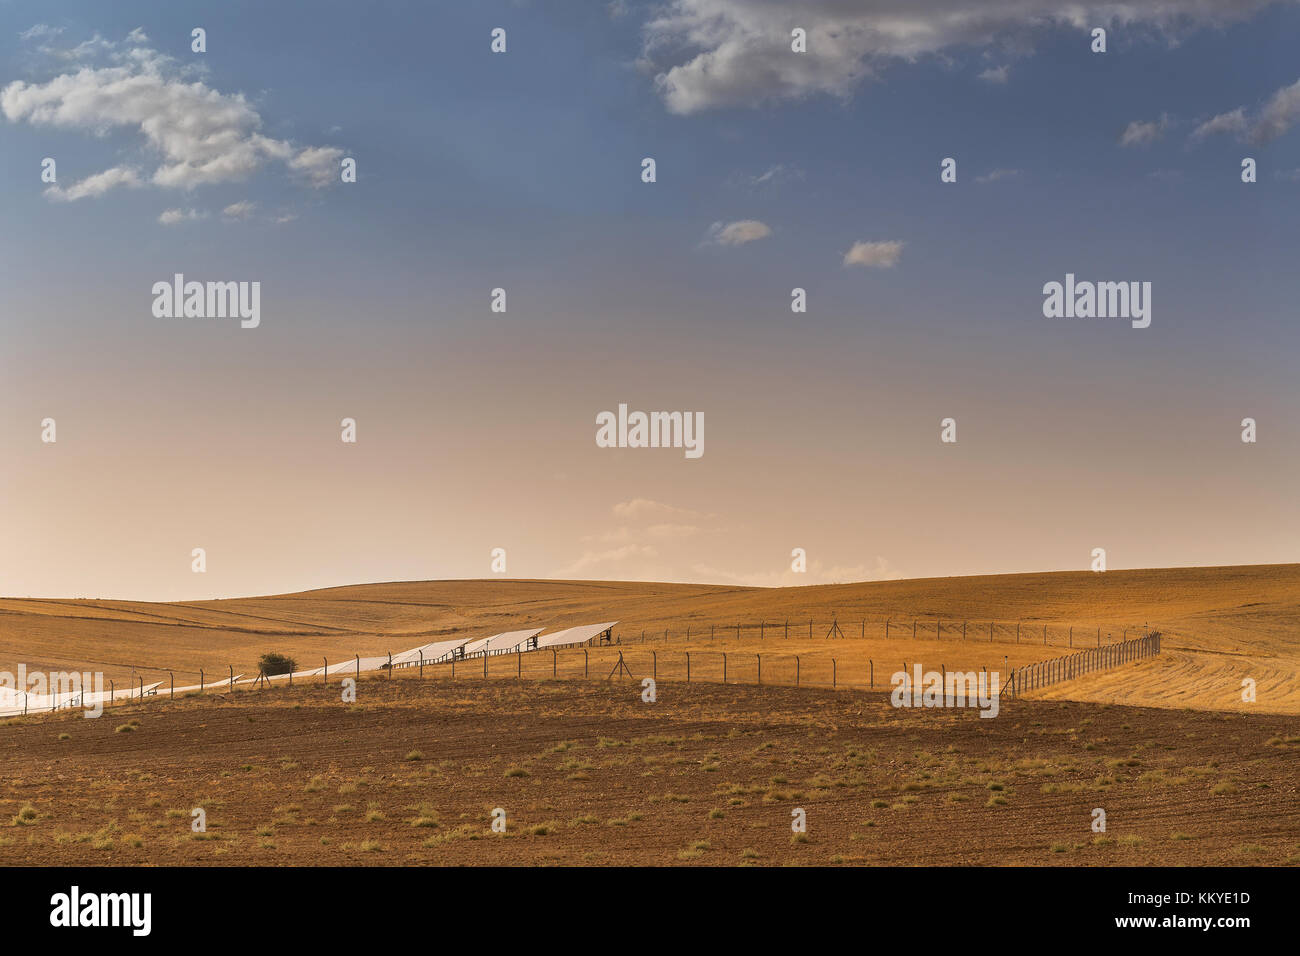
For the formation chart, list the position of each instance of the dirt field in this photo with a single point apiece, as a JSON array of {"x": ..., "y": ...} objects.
[
  {"x": 587, "y": 773},
  {"x": 1220, "y": 625}
]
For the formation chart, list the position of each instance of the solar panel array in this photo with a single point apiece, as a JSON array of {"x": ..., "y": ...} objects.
[{"x": 16, "y": 701}]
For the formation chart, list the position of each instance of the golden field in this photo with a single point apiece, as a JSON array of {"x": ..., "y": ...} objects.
[{"x": 1220, "y": 625}]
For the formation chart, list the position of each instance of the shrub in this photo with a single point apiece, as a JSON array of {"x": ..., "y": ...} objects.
[{"x": 276, "y": 663}]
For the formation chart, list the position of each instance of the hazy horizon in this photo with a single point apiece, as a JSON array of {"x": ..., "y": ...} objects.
[{"x": 477, "y": 430}]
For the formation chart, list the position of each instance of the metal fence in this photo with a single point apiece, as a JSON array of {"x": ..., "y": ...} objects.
[{"x": 1046, "y": 673}]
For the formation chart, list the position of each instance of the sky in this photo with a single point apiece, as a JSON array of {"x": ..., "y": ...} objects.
[{"x": 522, "y": 170}]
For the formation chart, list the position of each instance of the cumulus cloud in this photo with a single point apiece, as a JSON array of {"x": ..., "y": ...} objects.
[
  {"x": 1273, "y": 119},
  {"x": 174, "y": 217},
  {"x": 201, "y": 135},
  {"x": 883, "y": 254},
  {"x": 40, "y": 31},
  {"x": 706, "y": 54},
  {"x": 737, "y": 233},
  {"x": 1233, "y": 121},
  {"x": 996, "y": 74},
  {"x": 96, "y": 184},
  {"x": 1145, "y": 132},
  {"x": 237, "y": 211},
  {"x": 320, "y": 164}
]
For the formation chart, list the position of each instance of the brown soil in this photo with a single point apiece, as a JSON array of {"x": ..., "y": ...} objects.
[{"x": 588, "y": 773}]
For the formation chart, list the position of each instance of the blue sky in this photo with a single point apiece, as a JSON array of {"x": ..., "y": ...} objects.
[{"x": 521, "y": 170}]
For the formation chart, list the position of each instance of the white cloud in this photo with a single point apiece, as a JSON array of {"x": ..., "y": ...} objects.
[
  {"x": 1145, "y": 132},
  {"x": 320, "y": 164},
  {"x": 883, "y": 254},
  {"x": 615, "y": 563},
  {"x": 174, "y": 217},
  {"x": 1274, "y": 119},
  {"x": 202, "y": 135},
  {"x": 737, "y": 233},
  {"x": 707, "y": 54},
  {"x": 636, "y": 508},
  {"x": 772, "y": 176},
  {"x": 1278, "y": 115},
  {"x": 96, "y": 184},
  {"x": 996, "y": 75},
  {"x": 239, "y": 210},
  {"x": 994, "y": 175},
  {"x": 40, "y": 31}
]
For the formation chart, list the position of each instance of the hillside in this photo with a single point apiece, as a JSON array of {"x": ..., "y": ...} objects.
[{"x": 1220, "y": 624}]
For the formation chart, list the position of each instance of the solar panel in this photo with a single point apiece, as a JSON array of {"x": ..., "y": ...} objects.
[
  {"x": 505, "y": 643},
  {"x": 432, "y": 653},
  {"x": 574, "y": 635}
]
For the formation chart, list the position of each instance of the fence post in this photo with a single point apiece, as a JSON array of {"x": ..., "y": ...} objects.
[
  {"x": 112, "y": 693},
  {"x": 810, "y": 629},
  {"x": 519, "y": 663},
  {"x": 200, "y": 680},
  {"x": 787, "y": 629},
  {"x": 760, "y": 669},
  {"x": 1044, "y": 635},
  {"x": 762, "y": 626},
  {"x": 864, "y": 630},
  {"x": 485, "y": 657},
  {"x": 990, "y": 632},
  {"x": 358, "y": 657},
  {"x": 738, "y": 632},
  {"x": 834, "y": 673},
  {"x": 711, "y": 631},
  {"x": 724, "y": 667},
  {"x": 938, "y": 630},
  {"x": 963, "y": 630},
  {"x": 555, "y": 661},
  {"x": 585, "y": 662},
  {"x": 142, "y": 688},
  {"x": 688, "y": 667},
  {"x": 886, "y": 628},
  {"x": 172, "y": 678},
  {"x": 796, "y": 670},
  {"x": 655, "y": 659},
  {"x": 872, "y": 665},
  {"x": 422, "y": 664},
  {"x": 232, "y": 676}
]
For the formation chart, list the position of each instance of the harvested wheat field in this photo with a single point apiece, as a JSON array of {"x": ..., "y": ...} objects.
[
  {"x": 772, "y": 717},
  {"x": 1219, "y": 626},
  {"x": 588, "y": 773}
]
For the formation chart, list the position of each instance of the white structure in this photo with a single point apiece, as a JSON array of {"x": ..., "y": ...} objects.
[
  {"x": 506, "y": 643},
  {"x": 574, "y": 635}
]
